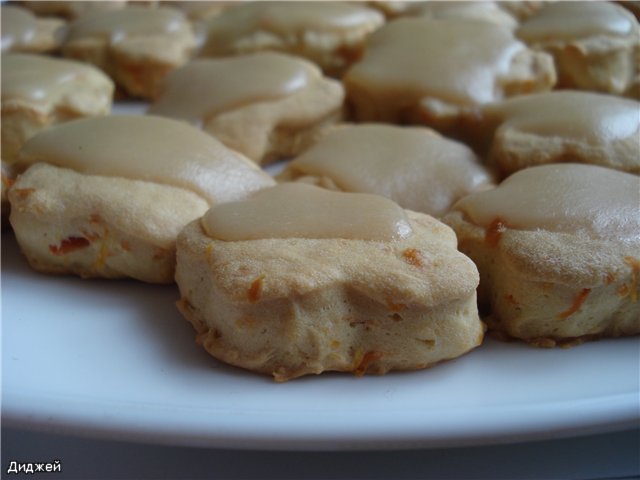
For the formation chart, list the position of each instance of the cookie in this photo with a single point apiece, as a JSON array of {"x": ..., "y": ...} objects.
[
  {"x": 598, "y": 50},
  {"x": 557, "y": 247},
  {"x": 136, "y": 46},
  {"x": 396, "y": 82},
  {"x": 562, "y": 126},
  {"x": 298, "y": 280},
  {"x": 38, "y": 92},
  {"x": 107, "y": 196},
  {"x": 415, "y": 167},
  {"x": 391, "y": 8},
  {"x": 521, "y": 9},
  {"x": 23, "y": 32},
  {"x": 330, "y": 34},
  {"x": 200, "y": 10},
  {"x": 266, "y": 105},
  {"x": 631, "y": 5},
  {"x": 484, "y": 11},
  {"x": 72, "y": 9}
]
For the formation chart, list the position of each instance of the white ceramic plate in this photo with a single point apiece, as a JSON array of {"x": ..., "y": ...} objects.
[{"x": 115, "y": 359}]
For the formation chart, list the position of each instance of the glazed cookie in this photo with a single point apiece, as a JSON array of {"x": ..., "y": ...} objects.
[
  {"x": 136, "y": 46},
  {"x": 298, "y": 280},
  {"x": 483, "y": 11},
  {"x": 521, "y": 9},
  {"x": 200, "y": 10},
  {"x": 414, "y": 166},
  {"x": 632, "y": 5},
  {"x": 38, "y": 92},
  {"x": 557, "y": 249},
  {"x": 398, "y": 83},
  {"x": 107, "y": 196},
  {"x": 562, "y": 126},
  {"x": 23, "y": 32},
  {"x": 71, "y": 9},
  {"x": 597, "y": 50},
  {"x": 265, "y": 105},
  {"x": 391, "y": 8},
  {"x": 330, "y": 34}
]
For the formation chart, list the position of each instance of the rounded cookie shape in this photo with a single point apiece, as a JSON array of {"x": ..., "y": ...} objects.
[
  {"x": 330, "y": 34},
  {"x": 557, "y": 250},
  {"x": 38, "y": 92},
  {"x": 135, "y": 45},
  {"x": 266, "y": 105},
  {"x": 201, "y": 9},
  {"x": 23, "y": 32},
  {"x": 107, "y": 196},
  {"x": 597, "y": 50},
  {"x": 521, "y": 9},
  {"x": 458, "y": 67},
  {"x": 313, "y": 294},
  {"x": 391, "y": 8},
  {"x": 71, "y": 9},
  {"x": 562, "y": 126},
  {"x": 414, "y": 166},
  {"x": 483, "y": 11}
]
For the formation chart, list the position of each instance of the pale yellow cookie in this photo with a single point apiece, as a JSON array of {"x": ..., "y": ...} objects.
[
  {"x": 391, "y": 8},
  {"x": 71, "y": 9},
  {"x": 433, "y": 72},
  {"x": 521, "y": 9},
  {"x": 38, "y": 92},
  {"x": 107, "y": 196},
  {"x": 22, "y": 32},
  {"x": 201, "y": 9},
  {"x": 483, "y": 11},
  {"x": 136, "y": 46},
  {"x": 597, "y": 50},
  {"x": 562, "y": 126},
  {"x": 266, "y": 105},
  {"x": 298, "y": 280},
  {"x": 558, "y": 250},
  {"x": 632, "y": 5},
  {"x": 330, "y": 34},
  {"x": 415, "y": 167}
]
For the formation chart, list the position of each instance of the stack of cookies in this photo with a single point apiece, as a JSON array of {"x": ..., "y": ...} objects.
[{"x": 335, "y": 186}]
